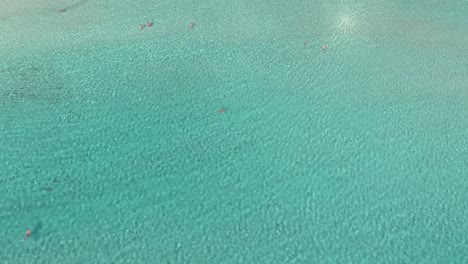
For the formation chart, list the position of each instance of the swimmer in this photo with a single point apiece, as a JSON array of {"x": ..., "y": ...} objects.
[
  {"x": 149, "y": 24},
  {"x": 142, "y": 27},
  {"x": 306, "y": 42},
  {"x": 27, "y": 234},
  {"x": 222, "y": 110},
  {"x": 190, "y": 26},
  {"x": 324, "y": 47},
  {"x": 62, "y": 10}
]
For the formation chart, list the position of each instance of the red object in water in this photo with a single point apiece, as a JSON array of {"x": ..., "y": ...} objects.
[
  {"x": 27, "y": 234},
  {"x": 149, "y": 24},
  {"x": 222, "y": 110}
]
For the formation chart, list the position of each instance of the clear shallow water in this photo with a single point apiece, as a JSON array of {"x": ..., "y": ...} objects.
[{"x": 113, "y": 149}]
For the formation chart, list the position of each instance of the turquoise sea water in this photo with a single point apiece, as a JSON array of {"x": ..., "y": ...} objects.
[{"x": 113, "y": 149}]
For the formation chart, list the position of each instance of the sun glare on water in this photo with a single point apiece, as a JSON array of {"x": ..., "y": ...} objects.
[{"x": 346, "y": 23}]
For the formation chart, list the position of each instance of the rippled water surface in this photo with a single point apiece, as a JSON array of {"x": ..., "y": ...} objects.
[{"x": 240, "y": 140}]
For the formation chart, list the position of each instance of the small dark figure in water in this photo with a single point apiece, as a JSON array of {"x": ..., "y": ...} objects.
[
  {"x": 306, "y": 42},
  {"x": 142, "y": 27},
  {"x": 149, "y": 24},
  {"x": 190, "y": 26},
  {"x": 27, "y": 234},
  {"x": 62, "y": 10}
]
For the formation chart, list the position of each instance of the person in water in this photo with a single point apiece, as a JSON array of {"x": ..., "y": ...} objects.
[
  {"x": 190, "y": 26},
  {"x": 27, "y": 234}
]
